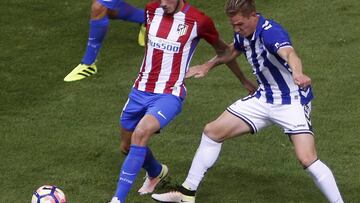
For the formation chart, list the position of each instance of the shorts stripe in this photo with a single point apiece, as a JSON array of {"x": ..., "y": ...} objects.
[
  {"x": 294, "y": 132},
  {"x": 246, "y": 120},
  {"x": 307, "y": 111}
]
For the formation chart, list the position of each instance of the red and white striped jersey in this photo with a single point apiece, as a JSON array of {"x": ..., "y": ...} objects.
[{"x": 171, "y": 42}]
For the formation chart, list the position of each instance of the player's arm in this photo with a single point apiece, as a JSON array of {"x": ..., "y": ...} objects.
[
  {"x": 289, "y": 55},
  {"x": 277, "y": 41},
  {"x": 225, "y": 54},
  {"x": 229, "y": 58},
  {"x": 235, "y": 69},
  {"x": 207, "y": 31}
]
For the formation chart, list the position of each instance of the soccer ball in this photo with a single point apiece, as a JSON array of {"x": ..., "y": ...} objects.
[{"x": 48, "y": 194}]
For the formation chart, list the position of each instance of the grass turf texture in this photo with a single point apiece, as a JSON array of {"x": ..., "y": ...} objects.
[{"x": 52, "y": 132}]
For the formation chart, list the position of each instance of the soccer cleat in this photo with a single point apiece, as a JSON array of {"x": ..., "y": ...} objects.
[
  {"x": 173, "y": 196},
  {"x": 115, "y": 200},
  {"x": 80, "y": 72},
  {"x": 150, "y": 183},
  {"x": 141, "y": 37}
]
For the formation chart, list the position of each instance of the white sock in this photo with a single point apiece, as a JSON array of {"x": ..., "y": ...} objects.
[
  {"x": 325, "y": 181},
  {"x": 205, "y": 157}
]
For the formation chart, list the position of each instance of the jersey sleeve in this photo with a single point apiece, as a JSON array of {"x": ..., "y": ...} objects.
[
  {"x": 207, "y": 30},
  {"x": 275, "y": 37}
]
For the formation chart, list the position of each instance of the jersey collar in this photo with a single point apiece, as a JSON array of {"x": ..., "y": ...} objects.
[{"x": 259, "y": 27}]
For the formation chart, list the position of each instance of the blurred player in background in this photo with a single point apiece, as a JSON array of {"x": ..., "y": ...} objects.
[
  {"x": 283, "y": 97},
  {"x": 173, "y": 28},
  {"x": 101, "y": 12}
]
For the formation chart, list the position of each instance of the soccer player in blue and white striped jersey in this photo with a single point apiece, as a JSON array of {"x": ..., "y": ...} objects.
[{"x": 283, "y": 98}]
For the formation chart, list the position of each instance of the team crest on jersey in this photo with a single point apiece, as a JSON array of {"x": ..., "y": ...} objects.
[{"x": 182, "y": 29}]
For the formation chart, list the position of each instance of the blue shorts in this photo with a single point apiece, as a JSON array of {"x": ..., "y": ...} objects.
[
  {"x": 164, "y": 107},
  {"x": 111, "y": 4}
]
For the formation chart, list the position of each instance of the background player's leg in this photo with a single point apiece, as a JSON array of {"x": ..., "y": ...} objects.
[
  {"x": 321, "y": 174},
  {"x": 130, "y": 13},
  {"x": 98, "y": 29},
  {"x": 99, "y": 24}
]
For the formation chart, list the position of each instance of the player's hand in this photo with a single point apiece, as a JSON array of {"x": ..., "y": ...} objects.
[
  {"x": 302, "y": 80},
  {"x": 249, "y": 86},
  {"x": 197, "y": 71}
]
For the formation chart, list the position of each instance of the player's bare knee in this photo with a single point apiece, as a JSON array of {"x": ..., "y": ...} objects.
[
  {"x": 207, "y": 128},
  {"x": 139, "y": 132},
  {"x": 211, "y": 133},
  {"x": 98, "y": 11},
  {"x": 214, "y": 133},
  {"x": 140, "y": 135},
  {"x": 307, "y": 160}
]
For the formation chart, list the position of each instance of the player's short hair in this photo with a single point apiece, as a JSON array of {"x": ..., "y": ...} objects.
[{"x": 244, "y": 7}]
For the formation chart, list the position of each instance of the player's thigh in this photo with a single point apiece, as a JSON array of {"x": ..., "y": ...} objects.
[
  {"x": 165, "y": 108},
  {"x": 226, "y": 126},
  {"x": 252, "y": 111},
  {"x": 305, "y": 150}
]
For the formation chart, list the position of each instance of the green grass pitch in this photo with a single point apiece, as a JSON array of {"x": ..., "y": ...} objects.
[{"x": 52, "y": 132}]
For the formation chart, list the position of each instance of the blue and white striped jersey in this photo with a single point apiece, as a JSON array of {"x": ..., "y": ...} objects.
[{"x": 276, "y": 85}]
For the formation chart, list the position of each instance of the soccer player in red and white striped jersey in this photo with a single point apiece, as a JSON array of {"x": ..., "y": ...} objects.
[
  {"x": 174, "y": 28},
  {"x": 172, "y": 39}
]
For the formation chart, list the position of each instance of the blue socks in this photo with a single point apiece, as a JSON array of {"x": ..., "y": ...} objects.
[
  {"x": 151, "y": 165},
  {"x": 138, "y": 157},
  {"x": 98, "y": 29},
  {"x": 129, "y": 170},
  {"x": 130, "y": 13}
]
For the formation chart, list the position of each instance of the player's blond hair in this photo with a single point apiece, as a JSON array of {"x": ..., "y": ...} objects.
[{"x": 244, "y": 7}]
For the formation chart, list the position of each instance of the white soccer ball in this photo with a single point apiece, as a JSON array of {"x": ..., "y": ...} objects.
[{"x": 48, "y": 194}]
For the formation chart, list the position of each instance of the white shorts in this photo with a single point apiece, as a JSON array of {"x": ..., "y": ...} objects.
[{"x": 293, "y": 118}]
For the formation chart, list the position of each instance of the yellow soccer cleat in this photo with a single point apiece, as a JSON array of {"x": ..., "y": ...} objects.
[
  {"x": 141, "y": 37},
  {"x": 80, "y": 72}
]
